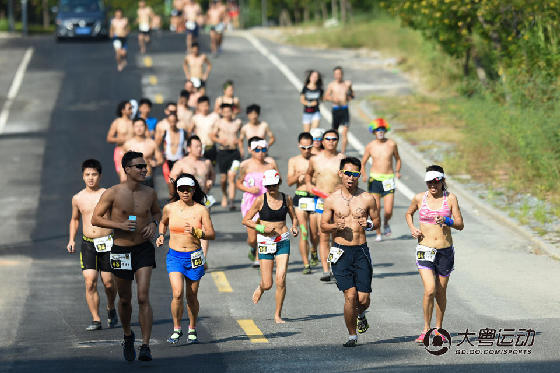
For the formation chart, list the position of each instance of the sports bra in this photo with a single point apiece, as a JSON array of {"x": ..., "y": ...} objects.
[
  {"x": 179, "y": 153},
  {"x": 428, "y": 216},
  {"x": 268, "y": 214}
]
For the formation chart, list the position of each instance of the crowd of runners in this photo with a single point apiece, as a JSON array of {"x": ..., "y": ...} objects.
[{"x": 196, "y": 140}]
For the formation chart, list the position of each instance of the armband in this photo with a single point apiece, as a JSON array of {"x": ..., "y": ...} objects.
[
  {"x": 448, "y": 221},
  {"x": 259, "y": 228},
  {"x": 198, "y": 233}
]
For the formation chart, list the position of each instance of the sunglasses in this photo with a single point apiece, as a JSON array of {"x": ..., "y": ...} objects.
[
  {"x": 185, "y": 188},
  {"x": 139, "y": 166},
  {"x": 306, "y": 147},
  {"x": 434, "y": 181},
  {"x": 258, "y": 150},
  {"x": 351, "y": 173},
  {"x": 317, "y": 138},
  {"x": 331, "y": 138}
]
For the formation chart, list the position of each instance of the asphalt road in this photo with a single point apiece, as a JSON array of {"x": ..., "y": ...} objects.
[{"x": 61, "y": 116}]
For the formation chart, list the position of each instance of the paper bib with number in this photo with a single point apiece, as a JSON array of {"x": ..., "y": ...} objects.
[
  {"x": 235, "y": 165},
  {"x": 319, "y": 205},
  {"x": 103, "y": 244},
  {"x": 190, "y": 25},
  {"x": 425, "y": 253},
  {"x": 267, "y": 248},
  {"x": 117, "y": 44},
  {"x": 197, "y": 259},
  {"x": 144, "y": 27},
  {"x": 388, "y": 184},
  {"x": 306, "y": 204},
  {"x": 121, "y": 261},
  {"x": 335, "y": 254}
]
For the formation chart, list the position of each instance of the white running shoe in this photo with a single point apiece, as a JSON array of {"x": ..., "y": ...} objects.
[{"x": 378, "y": 238}]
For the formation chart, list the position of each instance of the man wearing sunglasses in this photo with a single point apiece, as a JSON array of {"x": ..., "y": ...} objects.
[
  {"x": 132, "y": 211},
  {"x": 322, "y": 178},
  {"x": 346, "y": 217}
]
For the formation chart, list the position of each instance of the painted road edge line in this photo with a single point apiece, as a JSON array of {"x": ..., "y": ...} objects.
[
  {"x": 353, "y": 140},
  {"x": 252, "y": 330},
  {"x": 14, "y": 88},
  {"x": 221, "y": 282}
]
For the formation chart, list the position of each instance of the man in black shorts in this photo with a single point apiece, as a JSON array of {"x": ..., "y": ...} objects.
[
  {"x": 132, "y": 211},
  {"x": 340, "y": 93},
  {"x": 349, "y": 208}
]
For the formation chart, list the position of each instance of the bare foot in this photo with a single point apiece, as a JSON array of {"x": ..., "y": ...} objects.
[
  {"x": 257, "y": 294},
  {"x": 279, "y": 320}
]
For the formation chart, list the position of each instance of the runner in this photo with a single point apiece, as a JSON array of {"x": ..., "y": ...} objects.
[
  {"x": 381, "y": 182},
  {"x": 96, "y": 245},
  {"x": 145, "y": 14},
  {"x": 194, "y": 95},
  {"x": 340, "y": 92},
  {"x": 233, "y": 15},
  {"x": 273, "y": 238},
  {"x": 163, "y": 125},
  {"x": 346, "y": 217},
  {"x": 317, "y": 134},
  {"x": 304, "y": 202},
  {"x": 189, "y": 222},
  {"x": 249, "y": 182},
  {"x": 216, "y": 18},
  {"x": 145, "y": 145},
  {"x": 120, "y": 131},
  {"x": 202, "y": 125},
  {"x": 176, "y": 20},
  {"x": 310, "y": 97},
  {"x": 228, "y": 98},
  {"x": 144, "y": 110},
  {"x": 134, "y": 210},
  {"x": 322, "y": 179},
  {"x": 228, "y": 157},
  {"x": 255, "y": 127},
  {"x": 196, "y": 66},
  {"x": 438, "y": 212},
  {"x": 184, "y": 114},
  {"x": 192, "y": 12},
  {"x": 119, "y": 31},
  {"x": 173, "y": 144}
]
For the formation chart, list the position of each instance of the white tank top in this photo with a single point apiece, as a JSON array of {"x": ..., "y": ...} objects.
[{"x": 179, "y": 153}]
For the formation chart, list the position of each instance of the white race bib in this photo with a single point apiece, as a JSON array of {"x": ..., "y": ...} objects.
[
  {"x": 388, "y": 184},
  {"x": 267, "y": 247},
  {"x": 117, "y": 44},
  {"x": 219, "y": 27},
  {"x": 306, "y": 204},
  {"x": 235, "y": 165},
  {"x": 335, "y": 254},
  {"x": 190, "y": 25},
  {"x": 197, "y": 259},
  {"x": 103, "y": 244},
  {"x": 210, "y": 201},
  {"x": 121, "y": 261},
  {"x": 319, "y": 205},
  {"x": 144, "y": 27},
  {"x": 425, "y": 253}
]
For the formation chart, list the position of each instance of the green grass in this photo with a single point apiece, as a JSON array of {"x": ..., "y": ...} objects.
[{"x": 32, "y": 28}]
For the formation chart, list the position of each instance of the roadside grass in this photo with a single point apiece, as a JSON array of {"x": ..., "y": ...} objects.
[{"x": 32, "y": 27}]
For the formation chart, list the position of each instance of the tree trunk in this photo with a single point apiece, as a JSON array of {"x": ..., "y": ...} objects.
[
  {"x": 324, "y": 11},
  {"x": 297, "y": 16},
  {"x": 343, "y": 11},
  {"x": 350, "y": 14},
  {"x": 46, "y": 14},
  {"x": 467, "y": 62},
  {"x": 334, "y": 11},
  {"x": 306, "y": 14},
  {"x": 284, "y": 18}
]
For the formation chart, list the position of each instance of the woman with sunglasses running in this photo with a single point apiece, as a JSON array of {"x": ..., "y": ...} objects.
[
  {"x": 189, "y": 222},
  {"x": 439, "y": 212},
  {"x": 273, "y": 237}
]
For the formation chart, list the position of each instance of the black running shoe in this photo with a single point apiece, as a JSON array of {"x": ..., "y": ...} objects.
[
  {"x": 112, "y": 318},
  {"x": 362, "y": 325},
  {"x": 145, "y": 353},
  {"x": 95, "y": 325},
  {"x": 192, "y": 337},
  {"x": 326, "y": 276},
  {"x": 128, "y": 347},
  {"x": 351, "y": 343}
]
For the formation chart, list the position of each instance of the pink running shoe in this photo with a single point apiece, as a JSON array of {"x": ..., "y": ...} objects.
[{"x": 420, "y": 339}]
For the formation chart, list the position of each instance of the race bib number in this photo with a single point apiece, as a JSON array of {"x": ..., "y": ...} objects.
[
  {"x": 388, "y": 184},
  {"x": 335, "y": 254},
  {"x": 117, "y": 44},
  {"x": 426, "y": 254},
  {"x": 144, "y": 27},
  {"x": 319, "y": 204},
  {"x": 267, "y": 248},
  {"x": 190, "y": 25},
  {"x": 235, "y": 165},
  {"x": 197, "y": 259},
  {"x": 219, "y": 27},
  {"x": 103, "y": 244},
  {"x": 121, "y": 261},
  {"x": 210, "y": 201},
  {"x": 306, "y": 204}
]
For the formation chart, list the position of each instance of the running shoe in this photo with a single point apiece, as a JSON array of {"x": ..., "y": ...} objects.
[
  {"x": 378, "y": 238},
  {"x": 420, "y": 339},
  {"x": 314, "y": 259},
  {"x": 351, "y": 343},
  {"x": 387, "y": 230},
  {"x": 174, "y": 339},
  {"x": 112, "y": 318},
  {"x": 192, "y": 337},
  {"x": 326, "y": 276},
  {"x": 251, "y": 255},
  {"x": 145, "y": 353},
  {"x": 362, "y": 325},
  {"x": 306, "y": 270},
  {"x": 128, "y": 347},
  {"x": 256, "y": 264},
  {"x": 95, "y": 325}
]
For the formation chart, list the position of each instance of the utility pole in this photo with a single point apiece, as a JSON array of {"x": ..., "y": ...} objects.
[
  {"x": 24, "y": 17},
  {"x": 264, "y": 20},
  {"x": 11, "y": 15}
]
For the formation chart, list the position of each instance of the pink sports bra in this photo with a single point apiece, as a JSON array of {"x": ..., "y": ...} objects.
[{"x": 428, "y": 216}]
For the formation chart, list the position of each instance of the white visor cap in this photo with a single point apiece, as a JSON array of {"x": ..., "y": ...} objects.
[
  {"x": 185, "y": 181},
  {"x": 271, "y": 177},
  {"x": 434, "y": 175},
  {"x": 259, "y": 144},
  {"x": 317, "y": 132}
]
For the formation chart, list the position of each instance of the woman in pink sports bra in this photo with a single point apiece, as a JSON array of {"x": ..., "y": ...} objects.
[
  {"x": 250, "y": 182},
  {"x": 438, "y": 212}
]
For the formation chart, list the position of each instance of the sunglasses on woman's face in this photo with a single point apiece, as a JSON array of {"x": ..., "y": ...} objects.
[
  {"x": 351, "y": 173},
  {"x": 185, "y": 189},
  {"x": 258, "y": 150},
  {"x": 317, "y": 138},
  {"x": 139, "y": 166}
]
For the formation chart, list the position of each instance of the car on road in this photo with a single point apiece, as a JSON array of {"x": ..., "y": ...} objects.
[{"x": 81, "y": 19}]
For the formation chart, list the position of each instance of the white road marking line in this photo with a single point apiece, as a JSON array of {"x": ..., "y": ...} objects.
[
  {"x": 325, "y": 112},
  {"x": 14, "y": 88}
]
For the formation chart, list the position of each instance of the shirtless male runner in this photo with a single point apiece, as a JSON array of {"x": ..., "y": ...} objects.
[
  {"x": 134, "y": 212},
  {"x": 95, "y": 247},
  {"x": 173, "y": 140},
  {"x": 191, "y": 14},
  {"x": 184, "y": 114},
  {"x": 228, "y": 98},
  {"x": 322, "y": 180},
  {"x": 303, "y": 201},
  {"x": 144, "y": 111},
  {"x": 196, "y": 65},
  {"x": 340, "y": 92},
  {"x": 145, "y": 145},
  {"x": 228, "y": 157},
  {"x": 216, "y": 17},
  {"x": 176, "y": 19},
  {"x": 120, "y": 131},
  {"x": 145, "y": 14},
  {"x": 381, "y": 181},
  {"x": 255, "y": 127},
  {"x": 118, "y": 32},
  {"x": 202, "y": 125},
  {"x": 346, "y": 217}
]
